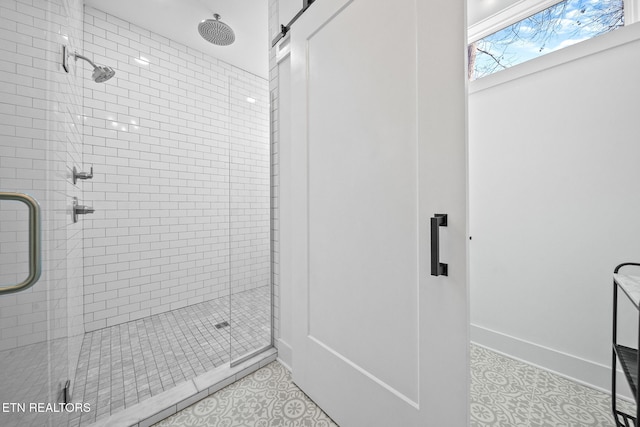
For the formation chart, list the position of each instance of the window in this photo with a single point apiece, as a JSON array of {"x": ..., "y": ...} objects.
[{"x": 561, "y": 25}]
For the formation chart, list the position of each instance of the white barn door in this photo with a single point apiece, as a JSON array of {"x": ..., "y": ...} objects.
[{"x": 378, "y": 147}]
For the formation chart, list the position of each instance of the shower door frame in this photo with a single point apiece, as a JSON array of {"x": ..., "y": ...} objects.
[{"x": 235, "y": 95}]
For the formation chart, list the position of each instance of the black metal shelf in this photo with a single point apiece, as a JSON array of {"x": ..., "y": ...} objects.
[
  {"x": 628, "y": 357},
  {"x": 625, "y": 420},
  {"x": 629, "y": 360}
]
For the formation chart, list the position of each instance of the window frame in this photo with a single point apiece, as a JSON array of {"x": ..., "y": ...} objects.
[
  {"x": 593, "y": 46},
  {"x": 523, "y": 9}
]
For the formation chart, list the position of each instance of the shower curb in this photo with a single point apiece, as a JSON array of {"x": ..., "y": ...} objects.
[{"x": 169, "y": 402}]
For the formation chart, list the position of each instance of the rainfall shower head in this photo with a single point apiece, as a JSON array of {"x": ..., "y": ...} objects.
[
  {"x": 216, "y": 32},
  {"x": 101, "y": 73}
]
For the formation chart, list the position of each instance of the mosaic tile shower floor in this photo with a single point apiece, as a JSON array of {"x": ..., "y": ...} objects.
[
  {"x": 504, "y": 393},
  {"x": 125, "y": 364}
]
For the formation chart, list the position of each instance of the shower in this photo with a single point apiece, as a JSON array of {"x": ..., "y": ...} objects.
[
  {"x": 216, "y": 32},
  {"x": 101, "y": 73},
  {"x": 167, "y": 287}
]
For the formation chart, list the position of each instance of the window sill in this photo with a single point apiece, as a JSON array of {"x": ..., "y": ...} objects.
[{"x": 583, "y": 49}]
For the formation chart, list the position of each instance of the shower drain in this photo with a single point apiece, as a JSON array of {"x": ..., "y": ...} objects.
[{"x": 222, "y": 325}]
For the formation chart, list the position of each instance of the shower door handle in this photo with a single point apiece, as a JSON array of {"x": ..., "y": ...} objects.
[
  {"x": 35, "y": 249},
  {"x": 437, "y": 268}
]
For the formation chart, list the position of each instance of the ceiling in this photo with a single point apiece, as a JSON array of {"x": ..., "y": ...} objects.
[{"x": 178, "y": 20}]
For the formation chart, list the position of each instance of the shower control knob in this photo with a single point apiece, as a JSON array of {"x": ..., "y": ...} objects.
[
  {"x": 83, "y": 210},
  {"x": 80, "y": 209},
  {"x": 81, "y": 175}
]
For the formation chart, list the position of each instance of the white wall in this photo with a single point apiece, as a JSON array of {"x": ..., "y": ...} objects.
[
  {"x": 285, "y": 336},
  {"x": 274, "y": 97},
  {"x": 555, "y": 202},
  {"x": 280, "y": 12},
  {"x": 175, "y": 144}
]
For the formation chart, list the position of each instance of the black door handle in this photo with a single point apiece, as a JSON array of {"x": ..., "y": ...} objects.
[{"x": 437, "y": 268}]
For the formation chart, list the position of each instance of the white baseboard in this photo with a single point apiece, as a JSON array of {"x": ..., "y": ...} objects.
[
  {"x": 586, "y": 372},
  {"x": 285, "y": 353}
]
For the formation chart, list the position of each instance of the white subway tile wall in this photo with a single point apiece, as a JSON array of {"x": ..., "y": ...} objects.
[
  {"x": 176, "y": 142},
  {"x": 249, "y": 183},
  {"x": 40, "y": 141}
]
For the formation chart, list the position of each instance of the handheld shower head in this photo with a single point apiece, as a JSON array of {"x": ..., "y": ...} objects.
[{"x": 101, "y": 73}]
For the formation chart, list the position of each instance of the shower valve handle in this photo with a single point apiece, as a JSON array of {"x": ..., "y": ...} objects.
[
  {"x": 80, "y": 209},
  {"x": 82, "y": 175},
  {"x": 83, "y": 210}
]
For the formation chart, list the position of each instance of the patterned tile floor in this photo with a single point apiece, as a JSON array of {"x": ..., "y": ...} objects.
[
  {"x": 127, "y": 363},
  {"x": 124, "y": 364},
  {"x": 504, "y": 393},
  {"x": 509, "y": 393},
  {"x": 266, "y": 398}
]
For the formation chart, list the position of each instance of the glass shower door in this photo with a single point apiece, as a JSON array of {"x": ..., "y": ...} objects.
[
  {"x": 24, "y": 345},
  {"x": 39, "y": 122},
  {"x": 250, "y": 241}
]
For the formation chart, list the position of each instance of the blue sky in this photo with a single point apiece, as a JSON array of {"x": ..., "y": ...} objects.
[{"x": 567, "y": 23}]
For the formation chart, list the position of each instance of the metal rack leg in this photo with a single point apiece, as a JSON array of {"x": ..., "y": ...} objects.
[{"x": 613, "y": 354}]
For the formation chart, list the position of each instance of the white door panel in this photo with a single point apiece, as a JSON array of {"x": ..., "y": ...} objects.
[
  {"x": 363, "y": 341},
  {"x": 363, "y": 205}
]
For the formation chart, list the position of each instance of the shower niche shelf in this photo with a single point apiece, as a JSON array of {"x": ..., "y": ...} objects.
[{"x": 626, "y": 356}]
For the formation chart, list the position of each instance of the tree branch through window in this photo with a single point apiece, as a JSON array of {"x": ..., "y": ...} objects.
[{"x": 561, "y": 25}]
